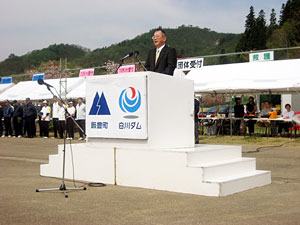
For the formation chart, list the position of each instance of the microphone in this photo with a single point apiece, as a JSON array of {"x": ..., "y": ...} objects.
[
  {"x": 127, "y": 56},
  {"x": 41, "y": 82}
]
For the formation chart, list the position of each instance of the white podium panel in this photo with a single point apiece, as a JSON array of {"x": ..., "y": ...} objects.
[
  {"x": 116, "y": 107},
  {"x": 165, "y": 116}
]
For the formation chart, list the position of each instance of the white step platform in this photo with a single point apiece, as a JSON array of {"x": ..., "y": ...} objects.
[
  {"x": 210, "y": 170},
  {"x": 159, "y": 153}
]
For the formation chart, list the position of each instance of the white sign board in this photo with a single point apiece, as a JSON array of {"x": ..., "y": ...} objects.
[
  {"x": 261, "y": 56},
  {"x": 116, "y": 107},
  {"x": 190, "y": 64}
]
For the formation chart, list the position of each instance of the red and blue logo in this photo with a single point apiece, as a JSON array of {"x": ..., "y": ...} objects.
[{"x": 130, "y": 100}]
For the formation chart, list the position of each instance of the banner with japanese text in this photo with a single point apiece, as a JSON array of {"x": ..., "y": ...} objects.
[
  {"x": 36, "y": 77},
  {"x": 6, "y": 80},
  {"x": 127, "y": 69},
  {"x": 86, "y": 72},
  {"x": 261, "y": 56},
  {"x": 190, "y": 64}
]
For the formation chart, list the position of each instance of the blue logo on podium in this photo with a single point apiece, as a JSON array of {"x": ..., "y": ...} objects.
[
  {"x": 99, "y": 106},
  {"x": 130, "y": 100}
]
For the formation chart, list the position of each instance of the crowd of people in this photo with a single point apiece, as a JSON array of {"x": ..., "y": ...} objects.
[
  {"x": 21, "y": 118},
  {"x": 250, "y": 111}
]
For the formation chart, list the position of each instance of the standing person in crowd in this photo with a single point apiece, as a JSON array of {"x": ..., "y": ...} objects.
[
  {"x": 55, "y": 116},
  {"x": 80, "y": 117},
  {"x": 251, "y": 110},
  {"x": 39, "y": 113},
  {"x": 196, "y": 120},
  {"x": 288, "y": 114},
  {"x": 239, "y": 114},
  {"x": 24, "y": 130},
  {"x": 1, "y": 116},
  {"x": 7, "y": 114},
  {"x": 70, "y": 123},
  {"x": 17, "y": 118},
  {"x": 46, "y": 110},
  {"x": 61, "y": 119},
  {"x": 30, "y": 116}
]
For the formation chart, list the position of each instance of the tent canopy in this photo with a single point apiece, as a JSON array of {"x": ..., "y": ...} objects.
[
  {"x": 4, "y": 87},
  {"x": 34, "y": 91},
  {"x": 78, "y": 91},
  {"x": 282, "y": 76}
]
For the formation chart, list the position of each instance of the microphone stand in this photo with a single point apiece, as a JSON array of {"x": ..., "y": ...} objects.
[
  {"x": 140, "y": 63},
  {"x": 121, "y": 63},
  {"x": 63, "y": 187}
]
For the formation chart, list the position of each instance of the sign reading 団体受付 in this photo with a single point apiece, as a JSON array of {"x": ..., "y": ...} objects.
[
  {"x": 6, "y": 80},
  {"x": 261, "y": 56},
  {"x": 127, "y": 69},
  {"x": 116, "y": 107},
  {"x": 36, "y": 77},
  {"x": 190, "y": 64},
  {"x": 86, "y": 72}
]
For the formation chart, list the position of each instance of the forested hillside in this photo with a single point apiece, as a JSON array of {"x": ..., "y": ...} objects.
[{"x": 188, "y": 40}]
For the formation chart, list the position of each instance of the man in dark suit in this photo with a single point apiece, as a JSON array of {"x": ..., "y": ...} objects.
[{"x": 162, "y": 59}]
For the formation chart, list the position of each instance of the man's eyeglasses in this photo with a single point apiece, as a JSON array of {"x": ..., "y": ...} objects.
[{"x": 155, "y": 36}]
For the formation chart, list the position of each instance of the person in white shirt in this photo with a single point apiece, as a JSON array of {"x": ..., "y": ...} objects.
[
  {"x": 70, "y": 123},
  {"x": 61, "y": 119},
  {"x": 80, "y": 117},
  {"x": 55, "y": 116},
  {"x": 288, "y": 114},
  {"x": 45, "y": 119}
]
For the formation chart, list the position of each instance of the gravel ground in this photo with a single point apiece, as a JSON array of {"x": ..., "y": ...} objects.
[{"x": 278, "y": 203}]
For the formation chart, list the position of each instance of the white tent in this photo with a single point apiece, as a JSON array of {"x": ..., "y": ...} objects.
[
  {"x": 78, "y": 91},
  {"x": 282, "y": 76},
  {"x": 34, "y": 91},
  {"x": 4, "y": 87}
]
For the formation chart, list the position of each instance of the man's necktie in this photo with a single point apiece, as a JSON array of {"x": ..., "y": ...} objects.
[{"x": 157, "y": 55}]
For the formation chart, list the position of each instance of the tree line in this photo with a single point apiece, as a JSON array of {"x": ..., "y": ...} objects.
[{"x": 259, "y": 34}]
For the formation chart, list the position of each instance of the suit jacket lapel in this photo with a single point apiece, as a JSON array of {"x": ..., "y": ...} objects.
[
  {"x": 161, "y": 54},
  {"x": 153, "y": 57}
]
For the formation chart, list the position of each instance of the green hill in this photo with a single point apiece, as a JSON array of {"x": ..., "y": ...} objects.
[{"x": 189, "y": 41}]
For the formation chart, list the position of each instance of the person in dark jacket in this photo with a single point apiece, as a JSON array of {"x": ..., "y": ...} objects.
[
  {"x": 238, "y": 113},
  {"x": 1, "y": 116},
  {"x": 162, "y": 59},
  {"x": 196, "y": 120},
  {"x": 251, "y": 110},
  {"x": 17, "y": 118},
  {"x": 7, "y": 114},
  {"x": 30, "y": 116}
]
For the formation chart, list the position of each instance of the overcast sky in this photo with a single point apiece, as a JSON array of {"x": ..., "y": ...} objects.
[{"x": 26, "y": 25}]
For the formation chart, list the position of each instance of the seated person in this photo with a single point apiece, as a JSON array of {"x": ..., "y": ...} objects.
[
  {"x": 288, "y": 114},
  {"x": 267, "y": 107},
  {"x": 265, "y": 114}
]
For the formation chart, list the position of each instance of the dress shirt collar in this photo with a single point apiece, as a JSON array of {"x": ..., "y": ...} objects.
[{"x": 159, "y": 49}]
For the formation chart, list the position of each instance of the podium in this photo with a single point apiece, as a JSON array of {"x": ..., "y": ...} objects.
[{"x": 140, "y": 129}]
